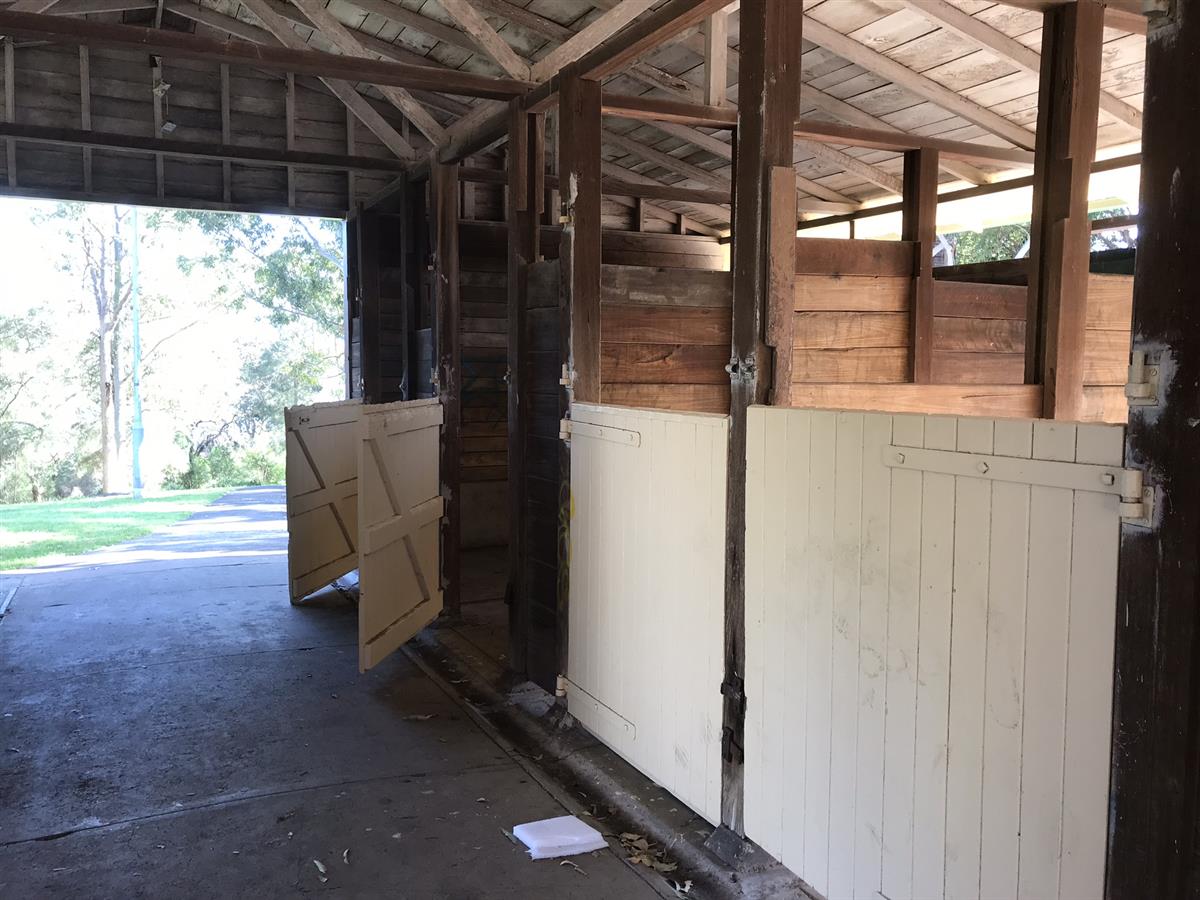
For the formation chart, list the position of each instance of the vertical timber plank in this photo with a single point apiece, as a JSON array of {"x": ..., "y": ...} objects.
[
  {"x": 1051, "y": 513},
  {"x": 964, "y": 775},
  {"x": 10, "y": 107},
  {"x": 920, "y": 227},
  {"x": 1156, "y": 740},
  {"x": 1004, "y": 678},
  {"x": 290, "y": 133},
  {"x": 579, "y": 150},
  {"x": 449, "y": 353},
  {"x": 85, "y": 111},
  {"x": 227, "y": 136},
  {"x": 933, "y": 668},
  {"x": 1060, "y": 234},
  {"x": 781, "y": 281},
  {"x": 369, "y": 308},
  {"x": 770, "y": 72}
]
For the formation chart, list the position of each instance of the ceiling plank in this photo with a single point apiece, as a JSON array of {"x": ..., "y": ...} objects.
[
  {"x": 651, "y": 32},
  {"x": 620, "y": 173},
  {"x": 280, "y": 59},
  {"x": 852, "y": 115},
  {"x": 982, "y": 35},
  {"x": 590, "y": 37},
  {"x": 401, "y": 15},
  {"x": 873, "y": 61},
  {"x": 347, "y": 41},
  {"x": 344, "y": 91},
  {"x": 489, "y": 41}
]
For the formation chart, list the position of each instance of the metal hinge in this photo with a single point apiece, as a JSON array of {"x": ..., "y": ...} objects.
[
  {"x": 1141, "y": 388},
  {"x": 568, "y": 428},
  {"x": 560, "y": 686},
  {"x": 565, "y": 378},
  {"x": 1137, "y": 500}
]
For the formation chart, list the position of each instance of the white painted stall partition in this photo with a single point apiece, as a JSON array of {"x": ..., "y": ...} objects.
[
  {"x": 647, "y": 591},
  {"x": 930, "y": 653}
]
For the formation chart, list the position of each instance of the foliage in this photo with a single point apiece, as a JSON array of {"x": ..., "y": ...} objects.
[
  {"x": 297, "y": 270},
  {"x": 224, "y": 466},
  {"x": 282, "y": 375},
  {"x": 21, "y": 337},
  {"x": 32, "y": 531},
  {"x": 1012, "y": 241}
]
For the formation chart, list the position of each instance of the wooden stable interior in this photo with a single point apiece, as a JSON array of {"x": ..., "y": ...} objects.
[{"x": 741, "y": 473}]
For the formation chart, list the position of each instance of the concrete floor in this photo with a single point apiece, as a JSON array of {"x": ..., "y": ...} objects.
[{"x": 171, "y": 727}]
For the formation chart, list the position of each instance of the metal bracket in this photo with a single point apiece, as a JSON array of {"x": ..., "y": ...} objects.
[
  {"x": 567, "y": 376},
  {"x": 745, "y": 369},
  {"x": 1141, "y": 389},
  {"x": 569, "y": 428}
]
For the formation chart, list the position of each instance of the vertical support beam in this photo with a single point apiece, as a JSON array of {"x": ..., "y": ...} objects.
[
  {"x": 227, "y": 135},
  {"x": 716, "y": 58},
  {"x": 350, "y": 151},
  {"x": 1060, "y": 238},
  {"x": 781, "y": 281},
  {"x": 156, "y": 83},
  {"x": 350, "y": 329},
  {"x": 290, "y": 134},
  {"x": 1155, "y": 787},
  {"x": 920, "y": 227},
  {"x": 444, "y": 181},
  {"x": 579, "y": 158},
  {"x": 85, "y": 111},
  {"x": 639, "y": 214},
  {"x": 770, "y": 73},
  {"x": 370, "y": 362},
  {"x": 526, "y": 195},
  {"x": 10, "y": 108}
]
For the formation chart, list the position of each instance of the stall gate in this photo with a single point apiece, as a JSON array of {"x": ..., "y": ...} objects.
[
  {"x": 930, "y": 606},
  {"x": 645, "y": 657},
  {"x": 322, "y": 494},
  {"x": 363, "y": 492}
]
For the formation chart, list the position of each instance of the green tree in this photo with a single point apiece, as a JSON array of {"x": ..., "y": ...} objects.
[
  {"x": 282, "y": 375},
  {"x": 297, "y": 266},
  {"x": 21, "y": 337}
]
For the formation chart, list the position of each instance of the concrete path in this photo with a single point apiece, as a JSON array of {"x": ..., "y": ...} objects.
[{"x": 171, "y": 727}]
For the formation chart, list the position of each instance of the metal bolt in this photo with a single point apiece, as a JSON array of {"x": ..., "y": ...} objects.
[
  {"x": 900, "y": 457},
  {"x": 1108, "y": 479},
  {"x": 983, "y": 468}
]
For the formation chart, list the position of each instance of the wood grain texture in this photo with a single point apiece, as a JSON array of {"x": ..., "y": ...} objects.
[
  {"x": 666, "y": 325},
  {"x": 831, "y": 256},
  {"x": 862, "y": 293},
  {"x": 663, "y": 364}
]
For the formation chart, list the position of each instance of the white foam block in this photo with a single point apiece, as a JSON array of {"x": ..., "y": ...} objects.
[{"x": 564, "y": 836}]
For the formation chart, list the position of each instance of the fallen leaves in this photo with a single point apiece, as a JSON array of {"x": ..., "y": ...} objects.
[{"x": 646, "y": 853}]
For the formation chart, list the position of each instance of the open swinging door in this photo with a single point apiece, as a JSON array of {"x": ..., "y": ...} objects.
[
  {"x": 399, "y": 517},
  {"x": 322, "y": 494}
]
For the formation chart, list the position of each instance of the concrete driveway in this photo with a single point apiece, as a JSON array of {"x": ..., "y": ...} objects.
[{"x": 171, "y": 727}]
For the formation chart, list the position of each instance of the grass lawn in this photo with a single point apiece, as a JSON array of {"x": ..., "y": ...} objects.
[{"x": 32, "y": 531}]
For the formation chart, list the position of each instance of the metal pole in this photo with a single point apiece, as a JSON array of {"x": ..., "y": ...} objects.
[{"x": 139, "y": 431}]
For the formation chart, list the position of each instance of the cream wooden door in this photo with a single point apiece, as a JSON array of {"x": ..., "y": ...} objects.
[
  {"x": 322, "y": 494},
  {"x": 399, "y": 516}
]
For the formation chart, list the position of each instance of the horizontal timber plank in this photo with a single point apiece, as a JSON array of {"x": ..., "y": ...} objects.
[
  {"x": 850, "y": 330},
  {"x": 663, "y": 364},
  {"x": 1105, "y": 403},
  {"x": 833, "y": 256},
  {"x": 682, "y": 397},
  {"x": 665, "y": 325},
  {"x": 661, "y": 286},
  {"x": 861, "y": 293},
  {"x": 1110, "y": 302},
  {"x": 979, "y": 300},
  {"x": 871, "y": 365},
  {"x": 1106, "y": 356},
  {"x": 1021, "y": 401},
  {"x": 969, "y": 367},
  {"x": 980, "y": 335}
]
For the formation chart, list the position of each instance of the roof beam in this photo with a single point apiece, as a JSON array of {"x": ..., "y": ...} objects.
[
  {"x": 810, "y": 129},
  {"x": 653, "y": 31},
  {"x": 982, "y": 35},
  {"x": 99, "y": 140},
  {"x": 652, "y": 109},
  {"x": 394, "y": 12},
  {"x": 344, "y": 91},
  {"x": 902, "y": 76},
  {"x": 489, "y": 41},
  {"x": 347, "y": 42},
  {"x": 280, "y": 59},
  {"x": 620, "y": 173},
  {"x": 716, "y": 58},
  {"x": 598, "y": 31}
]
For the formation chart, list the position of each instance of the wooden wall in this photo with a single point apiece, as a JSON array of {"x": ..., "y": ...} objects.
[
  {"x": 929, "y": 656},
  {"x": 48, "y": 89},
  {"x": 853, "y": 306},
  {"x": 647, "y": 592},
  {"x": 665, "y": 336}
]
